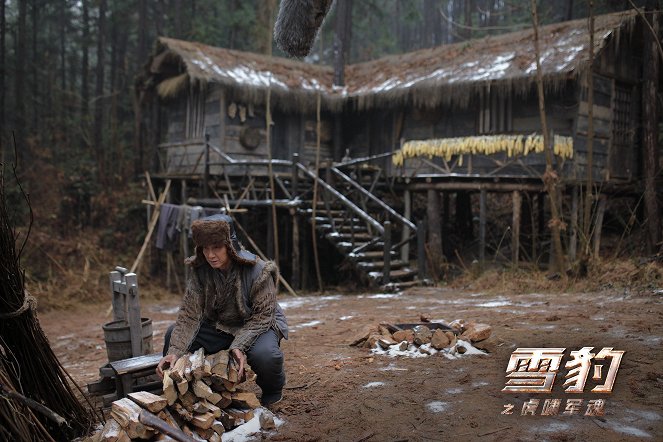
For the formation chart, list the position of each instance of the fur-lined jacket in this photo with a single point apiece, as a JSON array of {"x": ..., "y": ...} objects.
[{"x": 240, "y": 301}]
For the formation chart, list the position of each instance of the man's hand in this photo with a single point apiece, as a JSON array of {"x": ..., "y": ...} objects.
[
  {"x": 166, "y": 361},
  {"x": 239, "y": 357}
]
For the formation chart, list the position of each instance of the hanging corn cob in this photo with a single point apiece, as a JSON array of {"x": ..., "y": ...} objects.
[{"x": 513, "y": 145}]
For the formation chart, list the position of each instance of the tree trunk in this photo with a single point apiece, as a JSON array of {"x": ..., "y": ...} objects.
[
  {"x": 3, "y": 123},
  {"x": 469, "y": 8},
  {"x": 550, "y": 177},
  {"x": 99, "y": 91},
  {"x": 19, "y": 83},
  {"x": 585, "y": 252},
  {"x": 85, "y": 63},
  {"x": 431, "y": 17},
  {"x": 650, "y": 132},
  {"x": 141, "y": 54},
  {"x": 35, "y": 86}
]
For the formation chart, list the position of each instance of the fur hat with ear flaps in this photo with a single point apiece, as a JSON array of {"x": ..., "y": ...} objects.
[{"x": 218, "y": 230}]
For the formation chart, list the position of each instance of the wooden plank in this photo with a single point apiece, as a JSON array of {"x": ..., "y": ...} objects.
[
  {"x": 134, "y": 364},
  {"x": 149, "y": 401}
]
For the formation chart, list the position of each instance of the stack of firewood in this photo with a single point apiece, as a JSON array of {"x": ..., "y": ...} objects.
[
  {"x": 200, "y": 398},
  {"x": 426, "y": 337}
]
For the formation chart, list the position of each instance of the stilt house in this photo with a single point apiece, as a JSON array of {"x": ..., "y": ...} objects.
[{"x": 416, "y": 153}]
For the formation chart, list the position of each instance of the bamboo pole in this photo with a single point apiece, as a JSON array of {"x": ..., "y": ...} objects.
[
  {"x": 268, "y": 132},
  {"x": 315, "y": 198},
  {"x": 585, "y": 251},
  {"x": 150, "y": 230},
  {"x": 550, "y": 177}
]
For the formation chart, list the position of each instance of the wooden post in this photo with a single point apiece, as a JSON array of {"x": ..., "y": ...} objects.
[
  {"x": 295, "y": 175},
  {"x": 421, "y": 250},
  {"x": 573, "y": 234},
  {"x": 600, "y": 211},
  {"x": 482, "y": 227},
  {"x": 434, "y": 235},
  {"x": 206, "y": 173},
  {"x": 270, "y": 236},
  {"x": 118, "y": 300},
  {"x": 184, "y": 237},
  {"x": 515, "y": 228},
  {"x": 294, "y": 278},
  {"x": 541, "y": 219},
  {"x": 445, "y": 210},
  {"x": 387, "y": 253},
  {"x": 133, "y": 310},
  {"x": 405, "y": 250}
]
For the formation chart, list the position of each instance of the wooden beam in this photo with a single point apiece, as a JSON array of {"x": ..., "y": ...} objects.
[
  {"x": 493, "y": 187},
  {"x": 150, "y": 230}
]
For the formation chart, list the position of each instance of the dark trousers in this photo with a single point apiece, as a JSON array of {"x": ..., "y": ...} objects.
[{"x": 265, "y": 356}]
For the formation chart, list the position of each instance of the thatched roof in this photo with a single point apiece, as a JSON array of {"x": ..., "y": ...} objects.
[{"x": 425, "y": 77}]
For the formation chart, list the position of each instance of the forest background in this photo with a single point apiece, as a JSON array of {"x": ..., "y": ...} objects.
[{"x": 67, "y": 104}]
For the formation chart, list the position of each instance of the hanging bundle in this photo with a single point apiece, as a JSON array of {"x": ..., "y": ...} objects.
[{"x": 513, "y": 145}]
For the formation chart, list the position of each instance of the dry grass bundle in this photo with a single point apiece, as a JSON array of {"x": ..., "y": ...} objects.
[{"x": 28, "y": 362}]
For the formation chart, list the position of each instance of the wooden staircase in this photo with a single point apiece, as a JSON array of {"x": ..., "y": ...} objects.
[{"x": 362, "y": 227}]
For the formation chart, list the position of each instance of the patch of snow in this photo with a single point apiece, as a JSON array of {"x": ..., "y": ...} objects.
[
  {"x": 308, "y": 324},
  {"x": 625, "y": 429},
  {"x": 454, "y": 391},
  {"x": 494, "y": 304},
  {"x": 384, "y": 296},
  {"x": 437, "y": 406},
  {"x": 392, "y": 367},
  {"x": 345, "y": 318},
  {"x": 247, "y": 432},
  {"x": 373, "y": 384},
  {"x": 413, "y": 351},
  {"x": 480, "y": 384}
]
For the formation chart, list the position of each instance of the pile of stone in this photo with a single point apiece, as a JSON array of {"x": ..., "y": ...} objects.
[
  {"x": 201, "y": 399},
  {"x": 454, "y": 338}
]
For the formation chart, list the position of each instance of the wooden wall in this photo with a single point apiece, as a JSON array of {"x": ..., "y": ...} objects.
[{"x": 225, "y": 121}]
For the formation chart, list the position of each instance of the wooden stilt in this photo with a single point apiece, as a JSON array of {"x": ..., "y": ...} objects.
[
  {"x": 434, "y": 232},
  {"x": 421, "y": 250},
  {"x": 405, "y": 250},
  {"x": 598, "y": 226},
  {"x": 573, "y": 228},
  {"x": 482, "y": 227},
  {"x": 295, "y": 278},
  {"x": 515, "y": 228}
]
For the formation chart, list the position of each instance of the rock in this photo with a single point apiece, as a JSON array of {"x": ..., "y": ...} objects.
[
  {"x": 439, "y": 340},
  {"x": 458, "y": 325},
  {"x": 386, "y": 342},
  {"x": 364, "y": 335},
  {"x": 424, "y": 351},
  {"x": 404, "y": 335},
  {"x": 489, "y": 345},
  {"x": 267, "y": 420},
  {"x": 452, "y": 338},
  {"x": 384, "y": 331},
  {"x": 460, "y": 348},
  {"x": 477, "y": 332},
  {"x": 372, "y": 340},
  {"x": 422, "y": 335},
  {"x": 403, "y": 346}
]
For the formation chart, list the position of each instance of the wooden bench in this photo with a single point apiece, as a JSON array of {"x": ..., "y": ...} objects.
[{"x": 125, "y": 373}]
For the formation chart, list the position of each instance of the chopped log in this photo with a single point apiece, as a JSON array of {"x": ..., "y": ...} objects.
[
  {"x": 229, "y": 385},
  {"x": 198, "y": 363},
  {"x": 245, "y": 400},
  {"x": 233, "y": 374},
  {"x": 219, "y": 363},
  {"x": 241, "y": 413},
  {"x": 169, "y": 388},
  {"x": 188, "y": 399},
  {"x": 183, "y": 386},
  {"x": 203, "y": 421},
  {"x": 226, "y": 400},
  {"x": 149, "y": 401},
  {"x": 202, "y": 390},
  {"x": 178, "y": 370},
  {"x": 127, "y": 414},
  {"x": 113, "y": 432},
  {"x": 217, "y": 382},
  {"x": 215, "y": 438},
  {"x": 215, "y": 398},
  {"x": 228, "y": 420},
  {"x": 163, "y": 427},
  {"x": 204, "y": 407},
  {"x": 218, "y": 427},
  {"x": 183, "y": 412},
  {"x": 205, "y": 433}
]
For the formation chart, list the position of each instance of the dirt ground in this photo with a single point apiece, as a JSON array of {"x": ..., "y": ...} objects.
[{"x": 340, "y": 393}]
